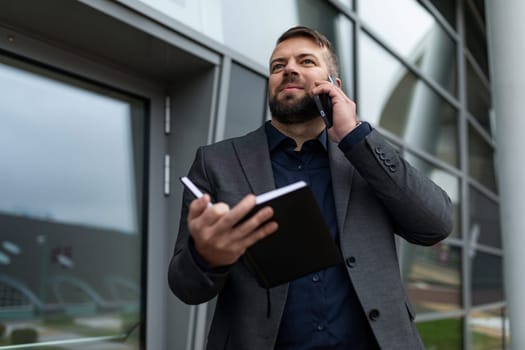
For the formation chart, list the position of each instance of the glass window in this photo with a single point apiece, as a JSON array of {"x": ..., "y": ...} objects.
[
  {"x": 478, "y": 98},
  {"x": 442, "y": 334},
  {"x": 421, "y": 40},
  {"x": 486, "y": 328},
  {"x": 487, "y": 278},
  {"x": 447, "y": 8},
  {"x": 432, "y": 276},
  {"x": 275, "y": 16},
  {"x": 481, "y": 160},
  {"x": 484, "y": 220},
  {"x": 344, "y": 45},
  {"x": 447, "y": 181},
  {"x": 393, "y": 98},
  {"x": 246, "y": 107},
  {"x": 347, "y": 3},
  {"x": 71, "y": 209},
  {"x": 475, "y": 33}
]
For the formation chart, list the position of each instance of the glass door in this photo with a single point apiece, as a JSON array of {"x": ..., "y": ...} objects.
[{"x": 72, "y": 165}]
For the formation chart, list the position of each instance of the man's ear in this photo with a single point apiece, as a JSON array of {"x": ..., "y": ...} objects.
[{"x": 335, "y": 81}]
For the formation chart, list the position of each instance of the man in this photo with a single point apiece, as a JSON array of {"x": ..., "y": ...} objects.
[{"x": 367, "y": 193}]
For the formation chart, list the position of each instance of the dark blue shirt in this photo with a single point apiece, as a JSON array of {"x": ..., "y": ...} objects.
[{"x": 322, "y": 310}]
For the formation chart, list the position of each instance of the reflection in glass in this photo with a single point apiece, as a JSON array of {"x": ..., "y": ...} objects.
[
  {"x": 432, "y": 276},
  {"x": 72, "y": 158},
  {"x": 448, "y": 182},
  {"x": 246, "y": 108},
  {"x": 484, "y": 220},
  {"x": 421, "y": 40},
  {"x": 487, "y": 278},
  {"x": 54, "y": 163},
  {"x": 481, "y": 160},
  {"x": 487, "y": 329},
  {"x": 257, "y": 43},
  {"x": 344, "y": 45},
  {"x": 442, "y": 334},
  {"x": 478, "y": 98},
  {"x": 395, "y": 99}
]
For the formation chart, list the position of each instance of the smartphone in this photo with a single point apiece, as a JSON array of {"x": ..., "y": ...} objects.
[{"x": 324, "y": 105}]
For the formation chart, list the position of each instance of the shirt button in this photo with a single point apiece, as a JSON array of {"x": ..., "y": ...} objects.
[
  {"x": 316, "y": 278},
  {"x": 373, "y": 315},
  {"x": 320, "y": 328},
  {"x": 300, "y": 166},
  {"x": 350, "y": 262}
]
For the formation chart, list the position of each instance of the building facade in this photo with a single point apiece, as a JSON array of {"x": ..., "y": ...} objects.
[{"x": 104, "y": 103}]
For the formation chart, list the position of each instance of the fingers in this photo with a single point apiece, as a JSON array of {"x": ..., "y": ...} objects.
[
  {"x": 202, "y": 218},
  {"x": 234, "y": 220},
  {"x": 326, "y": 87},
  {"x": 236, "y": 215},
  {"x": 260, "y": 233},
  {"x": 221, "y": 234},
  {"x": 344, "y": 110},
  {"x": 197, "y": 206}
]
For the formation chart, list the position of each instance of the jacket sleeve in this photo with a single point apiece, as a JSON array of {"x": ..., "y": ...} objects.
[
  {"x": 421, "y": 211},
  {"x": 190, "y": 281}
]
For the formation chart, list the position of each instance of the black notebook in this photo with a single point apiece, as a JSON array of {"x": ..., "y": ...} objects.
[{"x": 302, "y": 243}]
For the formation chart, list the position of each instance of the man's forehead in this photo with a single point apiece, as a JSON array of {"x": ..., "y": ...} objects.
[{"x": 298, "y": 46}]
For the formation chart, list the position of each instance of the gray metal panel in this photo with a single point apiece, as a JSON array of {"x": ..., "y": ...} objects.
[{"x": 110, "y": 33}]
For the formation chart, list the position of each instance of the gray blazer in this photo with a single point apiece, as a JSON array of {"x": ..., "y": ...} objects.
[{"x": 377, "y": 194}]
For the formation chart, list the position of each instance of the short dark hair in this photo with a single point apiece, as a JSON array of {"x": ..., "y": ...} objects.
[{"x": 319, "y": 38}]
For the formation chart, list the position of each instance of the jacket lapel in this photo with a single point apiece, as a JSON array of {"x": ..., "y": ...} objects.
[
  {"x": 341, "y": 171},
  {"x": 254, "y": 158}
]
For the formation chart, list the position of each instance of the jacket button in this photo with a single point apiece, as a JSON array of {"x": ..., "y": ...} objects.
[
  {"x": 378, "y": 150},
  {"x": 350, "y": 262},
  {"x": 373, "y": 315},
  {"x": 392, "y": 168}
]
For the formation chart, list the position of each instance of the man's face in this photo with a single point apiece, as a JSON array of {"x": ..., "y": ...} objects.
[{"x": 294, "y": 66}]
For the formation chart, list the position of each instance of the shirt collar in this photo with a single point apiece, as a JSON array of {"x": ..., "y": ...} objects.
[{"x": 275, "y": 137}]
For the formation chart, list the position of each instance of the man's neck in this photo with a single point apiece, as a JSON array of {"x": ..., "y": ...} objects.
[{"x": 302, "y": 132}]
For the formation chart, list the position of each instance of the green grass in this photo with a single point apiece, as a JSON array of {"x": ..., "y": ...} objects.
[
  {"x": 448, "y": 335},
  {"x": 441, "y": 334}
]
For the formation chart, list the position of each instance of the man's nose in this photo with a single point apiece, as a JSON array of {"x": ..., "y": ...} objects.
[{"x": 290, "y": 68}]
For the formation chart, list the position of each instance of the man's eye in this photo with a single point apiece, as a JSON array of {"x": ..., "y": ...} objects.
[
  {"x": 308, "y": 61},
  {"x": 277, "y": 67}
]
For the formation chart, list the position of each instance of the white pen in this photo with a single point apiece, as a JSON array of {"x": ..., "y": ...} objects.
[{"x": 193, "y": 189}]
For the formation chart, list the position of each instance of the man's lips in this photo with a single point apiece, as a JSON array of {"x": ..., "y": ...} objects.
[{"x": 291, "y": 87}]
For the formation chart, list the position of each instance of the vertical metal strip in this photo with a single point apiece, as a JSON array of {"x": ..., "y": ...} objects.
[
  {"x": 167, "y": 115},
  {"x": 167, "y": 173}
]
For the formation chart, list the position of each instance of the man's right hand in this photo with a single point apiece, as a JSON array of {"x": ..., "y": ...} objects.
[{"x": 218, "y": 239}]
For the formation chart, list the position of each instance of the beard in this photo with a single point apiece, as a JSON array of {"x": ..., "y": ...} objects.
[{"x": 287, "y": 111}]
